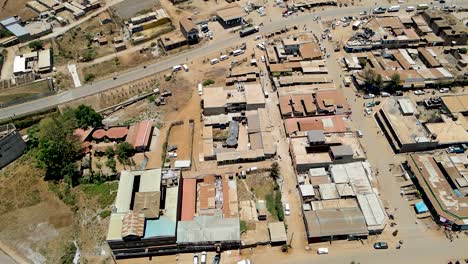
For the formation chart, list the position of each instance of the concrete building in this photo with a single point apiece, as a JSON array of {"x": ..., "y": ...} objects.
[
  {"x": 398, "y": 120},
  {"x": 12, "y": 144},
  {"x": 218, "y": 100},
  {"x": 317, "y": 150},
  {"x": 443, "y": 182},
  {"x": 14, "y": 25},
  {"x": 342, "y": 204},
  {"x": 189, "y": 30},
  {"x": 209, "y": 215},
  {"x": 144, "y": 219},
  {"x": 446, "y": 26},
  {"x": 277, "y": 233},
  {"x": 231, "y": 15}
]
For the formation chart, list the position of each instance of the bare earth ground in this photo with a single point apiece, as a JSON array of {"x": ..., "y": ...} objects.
[
  {"x": 15, "y": 8},
  {"x": 33, "y": 220}
]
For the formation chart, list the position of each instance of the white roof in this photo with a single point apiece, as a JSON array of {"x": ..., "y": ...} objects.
[
  {"x": 182, "y": 164},
  {"x": 372, "y": 209},
  {"x": 317, "y": 172},
  {"x": 19, "y": 64},
  {"x": 150, "y": 181},
  {"x": 307, "y": 190},
  {"x": 406, "y": 106},
  {"x": 44, "y": 59}
]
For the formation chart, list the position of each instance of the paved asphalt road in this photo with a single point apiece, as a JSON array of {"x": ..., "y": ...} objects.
[{"x": 99, "y": 86}]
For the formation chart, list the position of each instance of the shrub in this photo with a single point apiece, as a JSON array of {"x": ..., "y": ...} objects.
[
  {"x": 104, "y": 214},
  {"x": 89, "y": 77},
  {"x": 208, "y": 82},
  {"x": 36, "y": 45}
]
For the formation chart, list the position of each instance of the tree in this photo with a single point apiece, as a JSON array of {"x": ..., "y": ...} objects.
[
  {"x": 274, "y": 173},
  {"x": 36, "y": 45},
  {"x": 87, "y": 117},
  {"x": 109, "y": 152},
  {"x": 378, "y": 82},
  {"x": 394, "y": 82},
  {"x": 124, "y": 151},
  {"x": 369, "y": 77},
  {"x": 89, "y": 77},
  {"x": 111, "y": 164},
  {"x": 58, "y": 148},
  {"x": 89, "y": 54},
  {"x": 362, "y": 62}
]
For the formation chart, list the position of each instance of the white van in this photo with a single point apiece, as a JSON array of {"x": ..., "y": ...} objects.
[
  {"x": 214, "y": 61},
  {"x": 359, "y": 133},
  {"x": 261, "y": 46},
  {"x": 237, "y": 52},
  {"x": 263, "y": 58},
  {"x": 203, "y": 258},
  {"x": 176, "y": 68},
  {"x": 410, "y": 8},
  {"x": 394, "y": 8},
  {"x": 223, "y": 57},
  {"x": 200, "y": 89},
  {"x": 321, "y": 251},
  {"x": 422, "y": 7},
  {"x": 185, "y": 67}
]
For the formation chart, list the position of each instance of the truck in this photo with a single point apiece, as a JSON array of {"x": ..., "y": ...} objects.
[{"x": 248, "y": 31}]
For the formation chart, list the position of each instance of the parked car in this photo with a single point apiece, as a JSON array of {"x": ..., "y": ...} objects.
[
  {"x": 223, "y": 57},
  {"x": 203, "y": 258},
  {"x": 455, "y": 149},
  {"x": 287, "y": 210},
  {"x": 369, "y": 96},
  {"x": 217, "y": 259},
  {"x": 185, "y": 67},
  {"x": 363, "y": 13},
  {"x": 398, "y": 93},
  {"x": 384, "y": 94},
  {"x": 444, "y": 90},
  {"x": 410, "y": 8},
  {"x": 195, "y": 258},
  {"x": 176, "y": 68},
  {"x": 380, "y": 245},
  {"x": 369, "y": 104},
  {"x": 244, "y": 261},
  {"x": 321, "y": 251},
  {"x": 368, "y": 111},
  {"x": 419, "y": 92},
  {"x": 379, "y": 10}
]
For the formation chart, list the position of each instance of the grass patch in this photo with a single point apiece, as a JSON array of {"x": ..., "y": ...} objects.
[
  {"x": 104, "y": 214},
  {"x": 243, "y": 226},
  {"x": 104, "y": 193},
  {"x": 275, "y": 205}
]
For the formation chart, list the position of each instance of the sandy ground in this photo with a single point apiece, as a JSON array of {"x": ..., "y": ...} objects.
[{"x": 15, "y": 8}]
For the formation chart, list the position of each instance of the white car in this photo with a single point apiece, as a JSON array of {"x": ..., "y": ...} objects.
[
  {"x": 444, "y": 90},
  {"x": 263, "y": 58},
  {"x": 203, "y": 258},
  {"x": 368, "y": 111},
  {"x": 287, "y": 210},
  {"x": 185, "y": 67},
  {"x": 369, "y": 96},
  {"x": 195, "y": 258},
  {"x": 176, "y": 68},
  {"x": 419, "y": 92},
  {"x": 321, "y": 251},
  {"x": 384, "y": 94}
]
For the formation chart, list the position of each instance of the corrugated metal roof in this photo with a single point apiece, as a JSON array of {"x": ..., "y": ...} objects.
[
  {"x": 189, "y": 196},
  {"x": 372, "y": 209},
  {"x": 334, "y": 222},
  {"x": 162, "y": 227},
  {"x": 208, "y": 229},
  {"x": 124, "y": 193},
  {"x": 277, "y": 232}
]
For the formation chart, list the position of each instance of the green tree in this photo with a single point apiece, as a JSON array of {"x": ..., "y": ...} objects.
[
  {"x": 87, "y": 117},
  {"x": 110, "y": 152},
  {"x": 369, "y": 77},
  {"x": 89, "y": 54},
  {"x": 378, "y": 82},
  {"x": 36, "y": 45},
  {"x": 395, "y": 82},
  {"x": 112, "y": 164},
  {"x": 275, "y": 172},
  {"x": 89, "y": 77},
  {"x": 124, "y": 151},
  {"x": 58, "y": 148},
  {"x": 362, "y": 62}
]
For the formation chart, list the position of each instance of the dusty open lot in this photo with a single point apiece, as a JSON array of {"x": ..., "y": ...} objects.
[
  {"x": 71, "y": 45},
  {"x": 15, "y": 8},
  {"x": 130, "y": 8}
]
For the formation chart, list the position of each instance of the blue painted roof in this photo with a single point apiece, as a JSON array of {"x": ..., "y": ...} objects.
[
  {"x": 421, "y": 207},
  {"x": 162, "y": 227},
  {"x": 9, "y": 21},
  {"x": 17, "y": 30}
]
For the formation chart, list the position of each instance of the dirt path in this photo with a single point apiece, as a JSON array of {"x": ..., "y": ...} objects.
[{"x": 13, "y": 255}]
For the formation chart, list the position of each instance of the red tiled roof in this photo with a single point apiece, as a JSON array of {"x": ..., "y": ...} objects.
[
  {"x": 139, "y": 134},
  {"x": 99, "y": 134},
  {"x": 315, "y": 123},
  {"x": 189, "y": 196},
  {"x": 117, "y": 132},
  {"x": 83, "y": 134}
]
